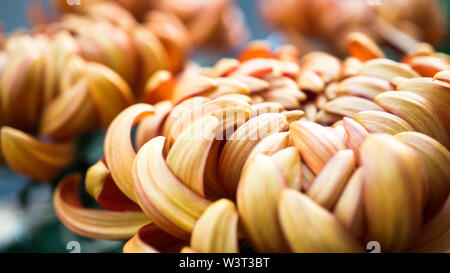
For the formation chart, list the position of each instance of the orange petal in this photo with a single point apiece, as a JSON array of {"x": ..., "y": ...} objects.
[
  {"x": 216, "y": 231},
  {"x": 330, "y": 182},
  {"x": 93, "y": 223},
  {"x": 152, "y": 126},
  {"x": 32, "y": 157},
  {"x": 110, "y": 93},
  {"x": 311, "y": 228},
  {"x": 257, "y": 199},
  {"x": 315, "y": 143},
  {"x": 167, "y": 201},
  {"x": 70, "y": 114},
  {"x": 119, "y": 151},
  {"x": 393, "y": 197}
]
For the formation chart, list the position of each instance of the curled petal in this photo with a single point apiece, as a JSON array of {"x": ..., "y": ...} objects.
[
  {"x": 93, "y": 223},
  {"x": 256, "y": 49},
  {"x": 242, "y": 142},
  {"x": 167, "y": 201},
  {"x": 393, "y": 197},
  {"x": 315, "y": 143},
  {"x": 31, "y": 157},
  {"x": 443, "y": 76},
  {"x": 151, "y": 239},
  {"x": 326, "y": 66},
  {"x": 362, "y": 47},
  {"x": 329, "y": 183},
  {"x": 152, "y": 126},
  {"x": 101, "y": 187},
  {"x": 254, "y": 85},
  {"x": 20, "y": 89},
  {"x": 349, "y": 106},
  {"x": 227, "y": 86},
  {"x": 382, "y": 122},
  {"x": 311, "y": 81},
  {"x": 362, "y": 86},
  {"x": 224, "y": 67},
  {"x": 217, "y": 229},
  {"x": 417, "y": 111},
  {"x": 349, "y": 208},
  {"x": 387, "y": 69},
  {"x": 356, "y": 134},
  {"x": 428, "y": 66},
  {"x": 257, "y": 198},
  {"x": 119, "y": 151},
  {"x": 436, "y": 160},
  {"x": 69, "y": 114},
  {"x": 110, "y": 93},
  {"x": 159, "y": 87},
  {"x": 265, "y": 107},
  {"x": 311, "y": 228},
  {"x": 257, "y": 67},
  {"x": 190, "y": 86},
  {"x": 437, "y": 93},
  {"x": 351, "y": 67},
  {"x": 288, "y": 160},
  {"x": 188, "y": 155},
  {"x": 269, "y": 145}
]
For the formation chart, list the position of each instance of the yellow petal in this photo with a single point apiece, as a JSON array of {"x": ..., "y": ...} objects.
[
  {"x": 164, "y": 199},
  {"x": 393, "y": 197},
  {"x": 349, "y": 106},
  {"x": 152, "y": 126},
  {"x": 70, "y": 114},
  {"x": 356, "y": 134},
  {"x": 257, "y": 198},
  {"x": 93, "y": 223},
  {"x": 110, "y": 93},
  {"x": 21, "y": 89},
  {"x": 217, "y": 229},
  {"x": 349, "y": 208},
  {"x": 188, "y": 155},
  {"x": 159, "y": 87},
  {"x": 241, "y": 143},
  {"x": 331, "y": 180},
  {"x": 362, "y": 86},
  {"x": 437, "y": 93},
  {"x": 224, "y": 67},
  {"x": 387, "y": 69},
  {"x": 192, "y": 86},
  {"x": 382, "y": 122},
  {"x": 417, "y": 111},
  {"x": 310, "y": 228},
  {"x": 288, "y": 160},
  {"x": 119, "y": 151},
  {"x": 315, "y": 143},
  {"x": 436, "y": 159},
  {"x": 32, "y": 157},
  {"x": 443, "y": 76}
]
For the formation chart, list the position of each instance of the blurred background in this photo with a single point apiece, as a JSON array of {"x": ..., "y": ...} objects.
[{"x": 27, "y": 220}]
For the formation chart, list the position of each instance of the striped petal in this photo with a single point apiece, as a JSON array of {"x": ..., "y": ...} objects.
[
  {"x": 32, "y": 157},
  {"x": 93, "y": 223},
  {"x": 217, "y": 229},
  {"x": 257, "y": 198},
  {"x": 165, "y": 199},
  {"x": 393, "y": 197},
  {"x": 331, "y": 180},
  {"x": 151, "y": 239},
  {"x": 311, "y": 228},
  {"x": 382, "y": 122},
  {"x": 119, "y": 151}
]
